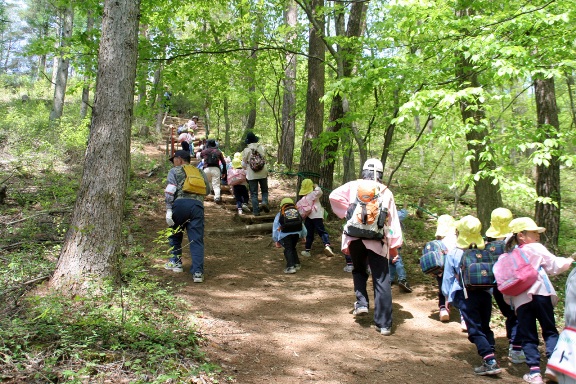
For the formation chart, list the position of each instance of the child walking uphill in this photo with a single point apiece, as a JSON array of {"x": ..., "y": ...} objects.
[
  {"x": 236, "y": 176},
  {"x": 313, "y": 213},
  {"x": 286, "y": 231},
  {"x": 497, "y": 234},
  {"x": 537, "y": 303},
  {"x": 446, "y": 241},
  {"x": 476, "y": 308}
]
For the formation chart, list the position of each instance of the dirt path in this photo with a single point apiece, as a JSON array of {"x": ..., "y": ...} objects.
[{"x": 262, "y": 326}]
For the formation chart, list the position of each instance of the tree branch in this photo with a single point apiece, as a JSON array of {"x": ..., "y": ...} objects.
[{"x": 428, "y": 119}]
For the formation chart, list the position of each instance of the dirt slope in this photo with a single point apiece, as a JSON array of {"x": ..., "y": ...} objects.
[{"x": 263, "y": 326}]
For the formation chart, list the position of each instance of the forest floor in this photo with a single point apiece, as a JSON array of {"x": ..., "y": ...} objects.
[{"x": 262, "y": 326}]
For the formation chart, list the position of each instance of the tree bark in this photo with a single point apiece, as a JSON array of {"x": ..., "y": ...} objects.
[
  {"x": 92, "y": 243},
  {"x": 345, "y": 58},
  {"x": 286, "y": 147},
  {"x": 488, "y": 196},
  {"x": 61, "y": 78},
  {"x": 547, "y": 214},
  {"x": 314, "y": 119},
  {"x": 87, "y": 77}
]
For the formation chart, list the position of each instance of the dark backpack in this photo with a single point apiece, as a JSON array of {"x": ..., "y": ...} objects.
[
  {"x": 256, "y": 161},
  {"x": 496, "y": 247},
  {"x": 476, "y": 269},
  {"x": 290, "y": 219},
  {"x": 213, "y": 158},
  {"x": 432, "y": 260}
]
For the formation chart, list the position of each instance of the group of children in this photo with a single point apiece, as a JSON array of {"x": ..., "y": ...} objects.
[{"x": 521, "y": 311}]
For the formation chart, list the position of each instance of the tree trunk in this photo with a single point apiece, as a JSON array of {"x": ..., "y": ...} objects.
[
  {"x": 487, "y": 193},
  {"x": 92, "y": 243},
  {"x": 142, "y": 72},
  {"x": 251, "y": 71},
  {"x": 61, "y": 78},
  {"x": 86, "y": 87},
  {"x": 345, "y": 58},
  {"x": 548, "y": 176},
  {"x": 227, "y": 126},
  {"x": 286, "y": 147},
  {"x": 314, "y": 119}
]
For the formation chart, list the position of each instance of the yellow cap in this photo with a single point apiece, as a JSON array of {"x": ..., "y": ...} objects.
[
  {"x": 286, "y": 200},
  {"x": 306, "y": 187},
  {"x": 499, "y": 221},
  {"x": 469, "y": 229},
  {"x": 446, "y": 226},
  {"x": 524, "y": 224}
]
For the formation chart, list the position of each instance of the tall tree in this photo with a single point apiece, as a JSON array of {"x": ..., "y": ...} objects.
[
  {"x": 314, "y": 119},
  {"x": 486, "y": 188},
  {"x": 91, "y": 246},
  {"x": 286, "y": 147},
  {"x": 63, "y": 61},
  {"x": 87, "y": 77},
  {"x": 345, "y": 56},
  {"x": 548, "y": 170}
]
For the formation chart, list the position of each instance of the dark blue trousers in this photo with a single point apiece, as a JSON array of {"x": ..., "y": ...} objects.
[
  {"x": 541, "y": 309},
  {"x": 511, "y": 319},
  {"x": 476, "y": 310},
  {"x": 312, "y": 226},
  {"x": 240, "y": 194}
]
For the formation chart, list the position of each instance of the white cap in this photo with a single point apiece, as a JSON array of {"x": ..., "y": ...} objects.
[{"x": 373, "y": 165}]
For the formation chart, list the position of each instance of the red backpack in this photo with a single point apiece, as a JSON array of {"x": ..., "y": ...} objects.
[{"x": 513, "y": 272}]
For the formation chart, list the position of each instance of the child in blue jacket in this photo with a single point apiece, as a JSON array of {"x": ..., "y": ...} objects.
[
  {"x": 288, "y": 239},
  {"x": 476, "y": 306}
]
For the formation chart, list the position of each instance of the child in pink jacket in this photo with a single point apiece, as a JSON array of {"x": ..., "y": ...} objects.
[
  {"x": 537, "y": 303},
  {"x": 309, "y": 207}
]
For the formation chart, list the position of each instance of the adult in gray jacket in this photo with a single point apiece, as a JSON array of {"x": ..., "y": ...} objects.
[{"x": 256, "y": 177}]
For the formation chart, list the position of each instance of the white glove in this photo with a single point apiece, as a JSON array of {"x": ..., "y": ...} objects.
[{"x": 169, "y": 220}]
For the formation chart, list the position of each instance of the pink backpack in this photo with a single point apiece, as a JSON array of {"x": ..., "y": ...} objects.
[
  {"x": 235, "y": 176},
  {"x": 305, "y": 207},
  {"x": 514, "y": 274}
]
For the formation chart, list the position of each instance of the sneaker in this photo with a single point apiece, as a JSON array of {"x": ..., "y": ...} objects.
[
  {"x": 550, "y": 375},
  {"x": 290, "y": 270},
  {"x": 297, "y": 267},
  {"x": 488, "y": 369},
  {"x": 348, "y": 268},
  {"x": 517, "y": 357},
  {"x": 173, "y": 266},
  {"x": 403, "y": 284},
  {"x": 306, "y": 253},
  {"x": 265, "y": 208},
  {"x": 444, "y": 315},
  {"x": 384, "y": 331},
  {"x": 245, "y": 208},
  {"x": 328, "y": 251},
  {"x": 198, "y": 277},
  {"x": 533, "y": 378},
  {"x": 240, "y": 212},
  {"x": 359, "y": 310}
]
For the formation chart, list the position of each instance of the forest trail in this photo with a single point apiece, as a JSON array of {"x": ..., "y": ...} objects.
[{"x": 262, "y": 326}]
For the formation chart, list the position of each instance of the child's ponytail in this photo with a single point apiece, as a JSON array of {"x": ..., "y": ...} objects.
[{"x": 511, "y": 243}]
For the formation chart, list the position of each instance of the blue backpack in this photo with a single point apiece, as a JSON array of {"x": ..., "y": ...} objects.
[
  {"x": 476, "y": 269},
  {"x": 432, "y": 260}
]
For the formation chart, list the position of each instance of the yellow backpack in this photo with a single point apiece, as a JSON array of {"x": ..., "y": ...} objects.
[{"x": 194, "y": 182}]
